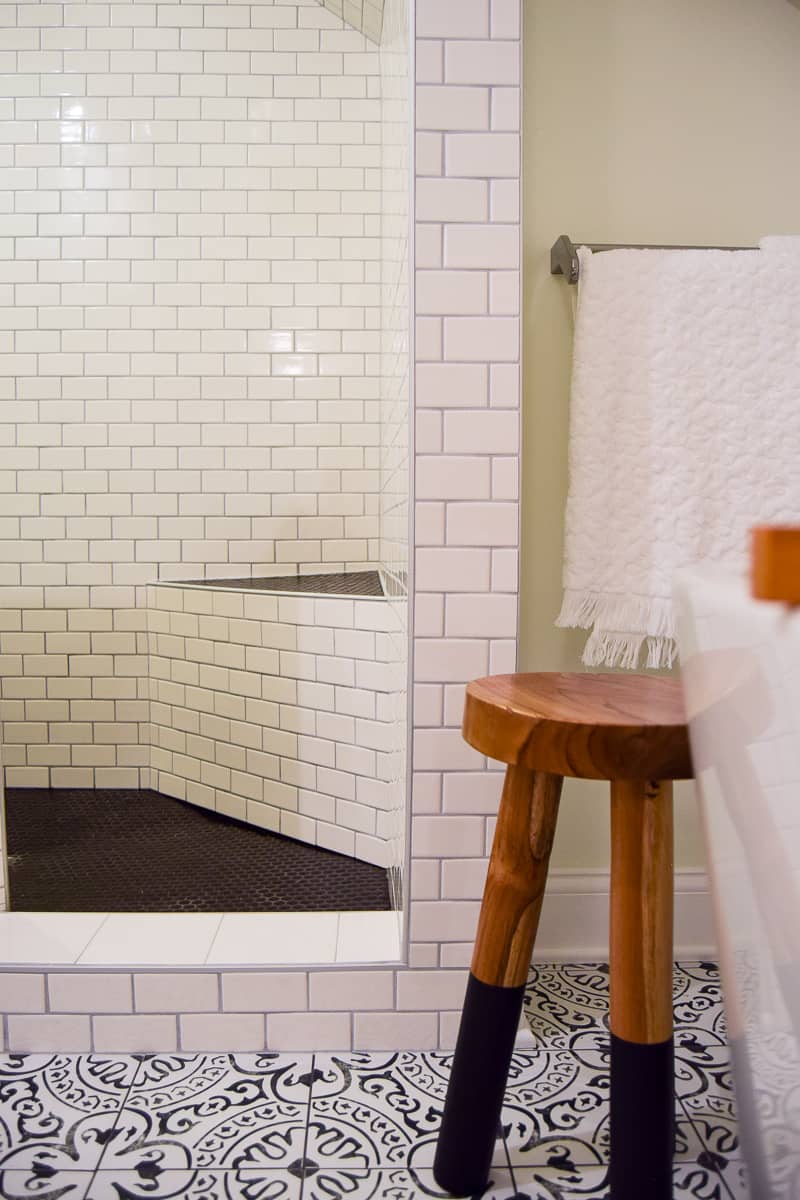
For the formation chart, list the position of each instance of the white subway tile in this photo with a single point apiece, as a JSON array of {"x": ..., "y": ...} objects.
[
  {"x": 345, "y": 990},
  {"x": 494, "y": 247},
  {"x": 429, "y": 61},
  {"x": 264, "y": 992},
  {"x": 444, "y": 750},
  {"x": 79, "y": 993},
  {"x": 471, "y": 339},
  {"x": 395, "y": 1031},
  {"x": 453, "y": 570},
  {"x": 48, "y": 1033},
  {"x": 451, "y": 108},
  {"x": 430, "y": 154},
  {"x": 221, "y": 1031},
  {"x": 487, "y": 524},
  {"x": 481, "y": 62},
  {"x": 482, "y": 155},
  {"x": 308, "y": 1031},
  {"x": 431, "y": 989},
  {"x": 505, "y": 18},
  {"x": 481, "y": 433},
  {"x": 435, "y": 19},
  {"x": 132, "y": 1034},
  {"x": 23, "y": 993},
  {"x": 445, "y": 292}
]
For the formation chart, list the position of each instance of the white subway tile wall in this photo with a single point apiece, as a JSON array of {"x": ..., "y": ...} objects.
[
  {"x": 468, "y": 417},
  {"x": 279, "y": 711},
  {"x": 190, "y": 292},
  {"x": 190, "y": 285}
]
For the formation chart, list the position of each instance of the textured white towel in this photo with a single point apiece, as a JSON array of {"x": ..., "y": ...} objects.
[{"x": 684, "y": 430}]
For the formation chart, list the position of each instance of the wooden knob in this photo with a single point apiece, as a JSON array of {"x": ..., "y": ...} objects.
[{"x": 775, "y": 563}]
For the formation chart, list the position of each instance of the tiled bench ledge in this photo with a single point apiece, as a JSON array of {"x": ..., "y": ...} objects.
[{"x": 277, "y": 709}]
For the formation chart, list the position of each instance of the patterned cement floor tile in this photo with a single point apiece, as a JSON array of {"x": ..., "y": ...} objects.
[
  {"x": 565, "y": 1182},
  {"x": 58, "y": 1111},
  {"x": 396, "y": 1184},
  {"x": 360, "y": 1126},
  {"x": 562, "y": 1181},
  {"x": 377, "y": 1110},
  {"x": 213, "y": 1111},
  {"x": 568, "y": 998},
  {"x": 61, "y": 1185},
  {"x": 565, "y": 999},
  {"x": 703, "y": 1066},
  {"x": 245, "y": 1184},
  {"x": 697, "y": 997},
  {"x": 556, "y": 1106},
  {"x": 714, "y": 1119},
  {"x": 707, "y": 1179}
]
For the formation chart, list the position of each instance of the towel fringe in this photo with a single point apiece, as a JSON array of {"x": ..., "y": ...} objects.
[{"x": 608, "y": 616}]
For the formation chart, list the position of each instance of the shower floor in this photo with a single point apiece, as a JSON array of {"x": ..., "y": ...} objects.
[{"x": 126, "y": 850}]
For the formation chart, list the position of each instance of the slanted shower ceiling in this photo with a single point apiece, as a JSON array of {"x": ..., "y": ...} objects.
[{"x": 364, "y": 15}]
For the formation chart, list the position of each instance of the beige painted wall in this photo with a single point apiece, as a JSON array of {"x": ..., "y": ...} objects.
[{"x": 645, "y": 121}]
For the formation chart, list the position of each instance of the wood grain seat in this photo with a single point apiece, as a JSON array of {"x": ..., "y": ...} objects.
[
  {"x": 588, "y": 726},
  {"x": 629, "y": 730}
]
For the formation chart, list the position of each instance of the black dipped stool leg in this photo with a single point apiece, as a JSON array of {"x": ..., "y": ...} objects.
[
  {"x": 509, "y": 917},
  {"x": 642, "y": 1124},
  {"x": 471, "y": 1118}
]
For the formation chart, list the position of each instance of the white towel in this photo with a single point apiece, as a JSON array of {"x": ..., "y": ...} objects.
[{"x": 684, "y": 430}]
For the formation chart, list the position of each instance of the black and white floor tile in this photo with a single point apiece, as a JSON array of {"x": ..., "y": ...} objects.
[{"x": 359, "y": 1126}]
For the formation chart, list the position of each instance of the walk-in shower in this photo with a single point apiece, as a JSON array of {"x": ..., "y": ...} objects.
[{"x": 204, "y": 375}]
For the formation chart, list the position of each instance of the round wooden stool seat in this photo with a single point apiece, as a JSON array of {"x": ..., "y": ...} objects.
[
  {"x": 589, "y": 726},
  {"x": 629, "y": 730}
]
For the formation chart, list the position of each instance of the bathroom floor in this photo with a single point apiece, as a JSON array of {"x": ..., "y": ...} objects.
[
  {"x": 121, "y": 850},
  {"x": 360, "y": 1125}
]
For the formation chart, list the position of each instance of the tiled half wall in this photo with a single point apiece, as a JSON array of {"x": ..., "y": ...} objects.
[
  {"x": 465, "y": 587},
  {"x": 278, "y": 711}
]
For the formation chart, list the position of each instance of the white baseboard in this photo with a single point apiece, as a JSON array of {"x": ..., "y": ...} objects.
[{"x": 574, "y": 922}]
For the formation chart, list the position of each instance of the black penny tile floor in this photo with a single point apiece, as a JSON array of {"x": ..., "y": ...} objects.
[
  {"x": 136, "y": 850},
  {"x": 360, "y": 1126}
]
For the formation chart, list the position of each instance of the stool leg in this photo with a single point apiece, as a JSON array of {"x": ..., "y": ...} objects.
[
  {"x": 642, "y": 1072},
  {"x": 509, "y": 917}
]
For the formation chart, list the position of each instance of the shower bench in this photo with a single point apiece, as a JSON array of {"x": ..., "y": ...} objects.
[{"x": 273, "y": 700}]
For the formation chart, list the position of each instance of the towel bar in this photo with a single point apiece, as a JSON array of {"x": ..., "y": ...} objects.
[{"x": 564, "y": 254}]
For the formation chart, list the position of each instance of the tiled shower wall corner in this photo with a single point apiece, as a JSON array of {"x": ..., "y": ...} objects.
[
  {"x": 278, "y": 711},
  {"x": 396, "y": 365},
  {"x": 467, "y": 431},
  {"x": 395, "y": 304}
]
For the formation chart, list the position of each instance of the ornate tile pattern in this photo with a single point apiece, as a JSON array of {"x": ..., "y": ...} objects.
[{"x": 360, "y": 1126}]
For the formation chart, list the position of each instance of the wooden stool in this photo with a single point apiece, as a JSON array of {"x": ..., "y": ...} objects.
[{"x": 630, "y": 730}]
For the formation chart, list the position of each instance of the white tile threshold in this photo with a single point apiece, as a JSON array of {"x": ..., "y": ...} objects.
[{"x": 178, "y": 940}]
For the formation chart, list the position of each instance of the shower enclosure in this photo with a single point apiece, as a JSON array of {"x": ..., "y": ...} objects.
[{"x": 205, "y": 381}]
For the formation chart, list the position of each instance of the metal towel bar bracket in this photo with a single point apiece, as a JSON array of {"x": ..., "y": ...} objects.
[{"x": 564, "y": 254}]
